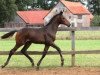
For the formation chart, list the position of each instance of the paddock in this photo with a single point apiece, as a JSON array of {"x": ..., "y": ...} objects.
[
  {"x": 51, "y": 71},
  {"x": 73, "y": 52},
  {"x": 94, "y": 70}
]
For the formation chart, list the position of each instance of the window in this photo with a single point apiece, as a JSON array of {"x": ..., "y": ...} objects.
[
  {"x": 76, "y": 0},
  {"x": 79, "y": 24},
  {"x": 69, "y": 17},
  {"x": 72, "y": 24},
  {"x": 79, "y": 16},
  {"x": 84, "y": 0}
]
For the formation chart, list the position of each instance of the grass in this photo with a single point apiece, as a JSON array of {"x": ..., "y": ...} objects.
[
  {"x": 63, "y": 44},
  {"x": 54, "y": 60},
  {"x": 80, "y": 35}
]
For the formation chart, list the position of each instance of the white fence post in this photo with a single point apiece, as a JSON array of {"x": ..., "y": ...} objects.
[{"x": 73, "y": 47}]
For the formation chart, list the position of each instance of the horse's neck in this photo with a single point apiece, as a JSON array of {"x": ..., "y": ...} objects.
[{"x": 52, "y": 27}]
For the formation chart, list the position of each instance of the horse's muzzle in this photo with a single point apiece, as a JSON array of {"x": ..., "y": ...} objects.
[{"x": 69, "y": 25}]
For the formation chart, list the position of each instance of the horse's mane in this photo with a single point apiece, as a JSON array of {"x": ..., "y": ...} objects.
[{"x": 51, "y": 19}]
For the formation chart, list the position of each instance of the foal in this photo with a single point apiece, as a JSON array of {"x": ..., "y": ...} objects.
[{"x": 45, "y": 35}]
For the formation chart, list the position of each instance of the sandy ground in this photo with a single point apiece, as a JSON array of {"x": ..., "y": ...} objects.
[{"x": 50, "y": 71}]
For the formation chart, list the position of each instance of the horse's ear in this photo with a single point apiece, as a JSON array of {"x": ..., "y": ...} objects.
[
  {"x": 56, "y": 10},
  {"x": 61, "y": 13}
]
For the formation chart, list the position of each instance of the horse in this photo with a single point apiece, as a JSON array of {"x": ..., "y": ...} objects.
[{"x": 45, "y": 35}]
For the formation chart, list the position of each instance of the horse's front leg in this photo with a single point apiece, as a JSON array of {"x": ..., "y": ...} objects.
[
  {"x": 59, "y": 51},
  {"x": 43, "y": 55}
]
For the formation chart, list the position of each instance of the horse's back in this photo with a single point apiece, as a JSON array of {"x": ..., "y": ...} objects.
[{"x": 35, "y": 35}]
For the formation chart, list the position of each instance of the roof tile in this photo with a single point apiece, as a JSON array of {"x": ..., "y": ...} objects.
[
  {"x": 33, "y": 17},
  {"x": 75, "y": 7}
]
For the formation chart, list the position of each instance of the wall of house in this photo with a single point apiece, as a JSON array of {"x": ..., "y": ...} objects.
[
  {"x": 86, "y": 21},
  {"x": 79, "y": 22},
  {"x": 16, "y": 23},
  {"x": 18, "y": 19},
  {"x": 73, "y": 19}
]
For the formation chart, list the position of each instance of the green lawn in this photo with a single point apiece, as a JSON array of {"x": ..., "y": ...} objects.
[
  {"x": 63, "y": 44},
  {"x": 54, "y": 60},
  {"x": 80, "y": 35}
]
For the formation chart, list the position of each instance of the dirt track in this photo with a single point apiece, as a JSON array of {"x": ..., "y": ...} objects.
[{"x": 50, "y": 71}]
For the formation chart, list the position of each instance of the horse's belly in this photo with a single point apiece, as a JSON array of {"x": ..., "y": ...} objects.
[{"x": 38, "y": 40}]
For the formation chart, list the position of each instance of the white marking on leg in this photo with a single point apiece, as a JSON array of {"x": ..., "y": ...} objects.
[{"x": 14, "y": 35}]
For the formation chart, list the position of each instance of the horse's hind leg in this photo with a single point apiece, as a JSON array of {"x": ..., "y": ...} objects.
[
  {"x": 10, "y": 54},
  {"x": 24, "y": 51}
]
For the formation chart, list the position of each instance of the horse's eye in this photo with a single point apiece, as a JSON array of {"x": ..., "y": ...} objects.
[{"x": 63, "y": 18}]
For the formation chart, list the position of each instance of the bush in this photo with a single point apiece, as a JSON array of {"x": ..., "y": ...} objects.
[{"x": 96, "y": 20}]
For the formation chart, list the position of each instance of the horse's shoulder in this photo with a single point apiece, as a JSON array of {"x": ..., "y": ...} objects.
[{"x": 49, "y": 36}]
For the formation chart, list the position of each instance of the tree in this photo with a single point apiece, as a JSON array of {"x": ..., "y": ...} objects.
[
  {"x": 94, "y": 6},
  {"x": 7, "y": 10},
  {"x": 20, "y": 4},
  {"x": 96, "y": 21},
  {"x": 41, "y": 4},
  {"x": 23, "y": 4},
  {"x": 44, "y": 4}
]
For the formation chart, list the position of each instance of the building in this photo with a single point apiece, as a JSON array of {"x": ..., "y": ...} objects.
[
  {"x": 75, "y": 12},
  {"x": 33, "y": 18}
]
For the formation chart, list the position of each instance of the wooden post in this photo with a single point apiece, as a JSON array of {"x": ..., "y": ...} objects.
[{"x": 73, "y": 47}]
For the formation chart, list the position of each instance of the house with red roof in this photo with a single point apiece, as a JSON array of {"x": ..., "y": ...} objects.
[
  {"x": 75, "y": 12},
  {"x": 28, "y": 19},
  {"x": 33, "y": 17}
]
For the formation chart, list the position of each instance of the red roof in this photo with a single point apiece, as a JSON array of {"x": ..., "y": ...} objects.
[
  {"x": 33, "y": 17},
  {"x": 76, "y": 8}
]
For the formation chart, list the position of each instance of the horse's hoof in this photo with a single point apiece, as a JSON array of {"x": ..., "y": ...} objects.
[
  {"x": 37, "y": 68},
  {"x": 33, "y": 65},
  {"x": 62, "y": 64},
  {"x": 2, "y": 66}
]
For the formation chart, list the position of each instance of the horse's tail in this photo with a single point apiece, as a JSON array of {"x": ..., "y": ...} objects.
[{"x": 8, "y": 34}]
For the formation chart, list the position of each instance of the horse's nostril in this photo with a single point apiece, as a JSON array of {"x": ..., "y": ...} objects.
[{"x": 69, "y": 25}]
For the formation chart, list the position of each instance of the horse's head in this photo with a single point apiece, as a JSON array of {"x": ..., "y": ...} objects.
[{"x": 63, "y": 20}]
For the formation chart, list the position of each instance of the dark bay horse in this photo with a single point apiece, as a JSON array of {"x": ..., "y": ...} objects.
[{"x": 45, "y": 35}]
